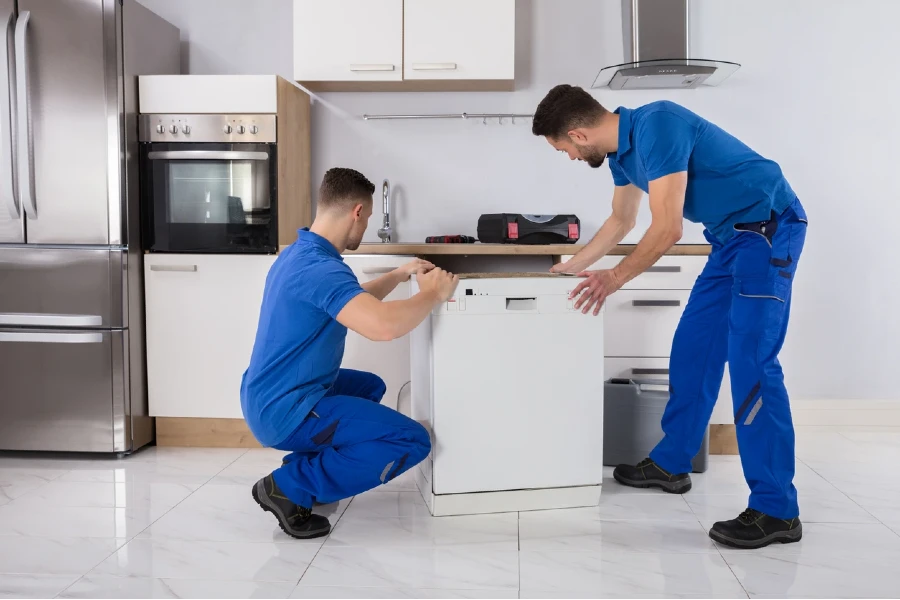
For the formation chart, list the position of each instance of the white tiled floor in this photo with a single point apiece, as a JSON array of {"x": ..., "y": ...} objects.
[{"x": 170, "y": 523}]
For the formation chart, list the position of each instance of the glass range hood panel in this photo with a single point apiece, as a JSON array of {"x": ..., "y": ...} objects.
[{"x": 666, "y": 73}]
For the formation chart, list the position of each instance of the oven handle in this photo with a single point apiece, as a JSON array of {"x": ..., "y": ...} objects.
[{"x": 207, "y": 155}]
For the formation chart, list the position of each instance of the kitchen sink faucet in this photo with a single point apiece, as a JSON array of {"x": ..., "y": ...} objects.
[{"x": 385, "y": 232}]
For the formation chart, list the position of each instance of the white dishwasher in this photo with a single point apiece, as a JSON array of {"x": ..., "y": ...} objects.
[{"x": 508, "y": 377}]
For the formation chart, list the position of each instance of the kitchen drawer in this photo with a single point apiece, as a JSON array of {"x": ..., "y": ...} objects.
[
  {"x": 636, "y": 368},
  {"x": 642, "y": 322},
  {"x": 669, "y": 272}
]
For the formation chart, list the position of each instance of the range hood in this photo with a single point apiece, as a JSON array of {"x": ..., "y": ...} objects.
[{"x": 656, "y": 34}]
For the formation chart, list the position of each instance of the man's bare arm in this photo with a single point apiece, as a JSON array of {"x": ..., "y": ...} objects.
[
  {"x": 625, "y": 204},
  {"x": 384, "y": 285},
  {"x": 384, "y": 321},
  {"x": 667, "y": 210}
]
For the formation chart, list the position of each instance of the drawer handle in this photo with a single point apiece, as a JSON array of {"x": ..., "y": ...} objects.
[
  {"x": 665, "y": 269},
  {"x": 644, "y": 371},
  {"x": 656, "y": 302},
  {"x": 434, "y": 66},
  {"x": 378, "y": 270},
  {"x": 175, "y": 268},
  {"x": 373, "y": 67}
]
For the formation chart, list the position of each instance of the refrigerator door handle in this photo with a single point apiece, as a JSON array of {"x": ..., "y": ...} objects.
[
  {"x": 40, "y": 337},
  {"x": 23, "y": 108},
  {"x": 47, "y": 320},
  {"x": 7, "y": 126}
]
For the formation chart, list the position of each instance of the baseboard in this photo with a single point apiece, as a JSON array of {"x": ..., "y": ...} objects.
[
  {"x": 204, "y": 433},
  {"x": 722, "y": 439},
  {"x": 234, "y": 433}
]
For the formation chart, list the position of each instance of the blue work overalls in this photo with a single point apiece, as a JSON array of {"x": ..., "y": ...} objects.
[{"x": 738, "y": 311}]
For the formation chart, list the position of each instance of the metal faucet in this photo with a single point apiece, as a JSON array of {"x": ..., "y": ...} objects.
[{"x": 385, "y": 232}]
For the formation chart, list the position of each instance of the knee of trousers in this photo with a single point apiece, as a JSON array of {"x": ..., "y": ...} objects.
[
  {"x": 379, "y": 387},
  {"x": 421, "y": 443}
]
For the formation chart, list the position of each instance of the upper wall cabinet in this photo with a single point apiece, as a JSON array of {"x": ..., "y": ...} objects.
[
  {"x": 397, "y": 45},
  {"x": 459, "y": 39},
  {"x": 349, "y": 41}
]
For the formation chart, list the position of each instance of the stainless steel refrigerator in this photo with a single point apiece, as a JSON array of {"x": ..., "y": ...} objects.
[{"x": 72, "y": 374}]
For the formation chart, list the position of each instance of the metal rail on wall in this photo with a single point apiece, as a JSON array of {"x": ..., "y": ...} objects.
[{"x": 464, "y": 116}]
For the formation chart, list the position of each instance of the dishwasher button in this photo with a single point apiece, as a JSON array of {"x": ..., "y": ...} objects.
[
  {"x": 570, "y": 304},
  {"x": 451, "y": 306},
  {"x": 462, "y": 304}
]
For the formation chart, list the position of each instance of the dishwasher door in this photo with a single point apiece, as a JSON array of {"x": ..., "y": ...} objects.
[{"x": 517, "y": 390}]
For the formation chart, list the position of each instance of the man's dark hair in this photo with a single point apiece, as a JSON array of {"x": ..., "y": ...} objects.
[
  {"x": 343, "y": 187},
  {"x": 563, "y": 109}
]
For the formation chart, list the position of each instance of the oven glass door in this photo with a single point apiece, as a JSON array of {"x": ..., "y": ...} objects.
[{"x": 209, "y": 198}]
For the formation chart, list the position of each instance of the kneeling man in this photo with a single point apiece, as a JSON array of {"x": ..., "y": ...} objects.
[{"x": 295, "y": 396}]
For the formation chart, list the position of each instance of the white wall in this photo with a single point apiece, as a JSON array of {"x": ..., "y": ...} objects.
[{"x": 817, "y": 92}]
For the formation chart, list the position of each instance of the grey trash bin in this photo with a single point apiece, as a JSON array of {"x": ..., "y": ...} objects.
[{"x": 632, "y": 415}]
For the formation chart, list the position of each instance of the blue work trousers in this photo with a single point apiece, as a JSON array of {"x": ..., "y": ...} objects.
[
  {"x": 349, "y": 443},
  {"x": 738, "y": 312}
]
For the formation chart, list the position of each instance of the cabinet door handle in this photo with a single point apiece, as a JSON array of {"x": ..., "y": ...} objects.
[
  {"x": 175, "y": 268},
  {"x": 371, "y": 67},
  {"x": 434, "y": 66},
  {"x": 645, "y": 371},
  {"x": 665, "y": 269},
  {"x": 377, "y": 270},
  {"x": 656, "y": 302}
]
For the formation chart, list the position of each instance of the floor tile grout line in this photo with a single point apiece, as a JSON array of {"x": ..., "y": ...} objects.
[
  {"x": 149, "y": 525},
  {"x": 850, "y": 498},
  {"x": 718, "y": 550},
  {"x": 322, "y": 545},
  {"x": 519, "y": 551}
]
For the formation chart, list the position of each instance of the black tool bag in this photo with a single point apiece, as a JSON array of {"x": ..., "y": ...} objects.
[{"x": 509, "y": 228}]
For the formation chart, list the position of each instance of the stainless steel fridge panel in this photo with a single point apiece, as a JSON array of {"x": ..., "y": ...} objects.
[
  {"x": 63, "y": 287},
  {"x": 57, "y": 393},
  {"x": 67, "y": 102},
  {"x": 11, "y": 224},
  {"x": 151, "y": 46}
]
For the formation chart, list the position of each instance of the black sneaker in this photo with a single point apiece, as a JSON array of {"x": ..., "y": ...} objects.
[
  {"x": 647, "y": 474},
  {"x": 753, "y": 529},
  {"x": 296, "y": 521}
]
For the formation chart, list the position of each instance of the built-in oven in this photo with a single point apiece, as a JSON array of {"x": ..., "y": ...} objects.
[{"x": 208, "y": 183}]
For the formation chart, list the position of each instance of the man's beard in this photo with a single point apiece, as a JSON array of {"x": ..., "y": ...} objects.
[
  {"x": 353, "y": 244},
  {"x": 593, "y": 157}
]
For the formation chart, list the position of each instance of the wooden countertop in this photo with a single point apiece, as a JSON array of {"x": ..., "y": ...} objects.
[{"x": 507, "y": 249}]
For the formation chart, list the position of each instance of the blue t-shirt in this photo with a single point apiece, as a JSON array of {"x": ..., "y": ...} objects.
[
  {"x": 727, "y": 182},
  {"x": 299, "y": 343}
]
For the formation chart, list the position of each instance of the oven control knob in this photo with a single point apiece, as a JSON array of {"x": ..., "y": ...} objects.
[
  {"x": 174, "y": 129},
  {"x": 254, "y": 129},
  {"x": 241, "y": 129},
  {"x": 227, "y": 129},
  {"x": 160, "y": 128},
  {"x": 185, "y": 129}
]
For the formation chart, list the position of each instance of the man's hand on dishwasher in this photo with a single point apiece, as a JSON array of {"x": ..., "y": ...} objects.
[
  {"x": 439, "y": 282},
  {"x": 594, "y": 290},
  {"x": 415, "y": 267},
  {"x": 570, "y": 266}
]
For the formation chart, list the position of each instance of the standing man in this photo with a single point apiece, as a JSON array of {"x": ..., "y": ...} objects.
[
  {"x": 294, "y": 395},
  {"x": 738, "y": 309}
]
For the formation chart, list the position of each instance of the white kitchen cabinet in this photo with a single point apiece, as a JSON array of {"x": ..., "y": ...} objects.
[
  {"x": 388, "y": 360},
  {"x": 462, "y": 39},
  {"x": 404, "y": 45},
  {"x": 202, "y": 313},
  {"x": 348, "y": 40}
]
